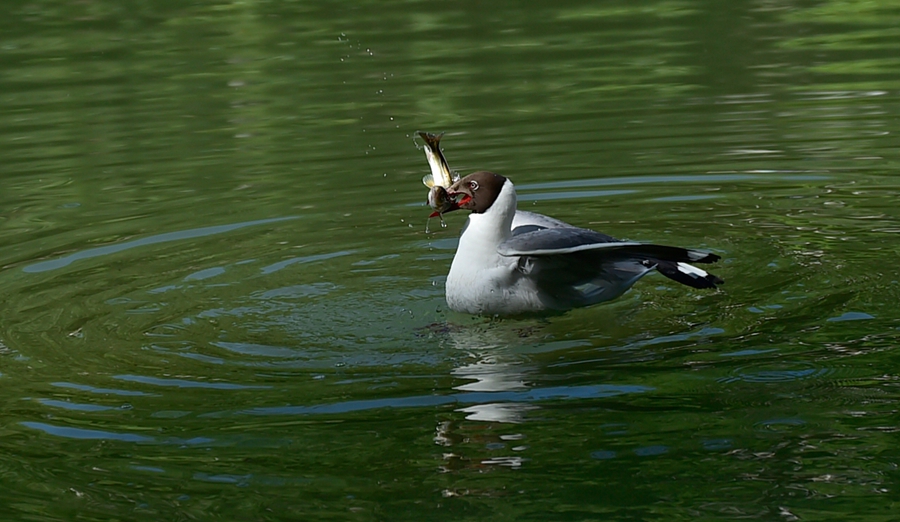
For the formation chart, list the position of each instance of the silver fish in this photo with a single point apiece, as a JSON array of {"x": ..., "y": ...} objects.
[
  {"x": 439, "y": 180},
  {"x": 441, "y": 175},
  {"x": 439, "y": 199}
]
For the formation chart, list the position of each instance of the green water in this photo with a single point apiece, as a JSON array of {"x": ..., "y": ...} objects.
[{"x": 220, "y": 302}]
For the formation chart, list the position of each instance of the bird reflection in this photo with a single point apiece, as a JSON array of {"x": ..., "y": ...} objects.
[
  {"x": 490, "y": 374},
  {"x": 490, "y": 369}
]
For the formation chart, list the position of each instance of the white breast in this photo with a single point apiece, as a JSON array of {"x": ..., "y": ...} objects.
[{"x": 481, "y": 281}]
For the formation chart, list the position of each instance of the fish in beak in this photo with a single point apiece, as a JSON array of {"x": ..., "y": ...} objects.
[
  {"x": 441, "y": 201},
  {"x": 441, "y": 175}
]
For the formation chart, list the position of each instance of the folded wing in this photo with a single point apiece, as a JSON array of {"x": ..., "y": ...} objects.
[{"x": 577, "y": 266}]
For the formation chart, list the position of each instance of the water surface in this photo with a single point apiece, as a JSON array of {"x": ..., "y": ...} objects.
[{"x": 219, "y": 299}]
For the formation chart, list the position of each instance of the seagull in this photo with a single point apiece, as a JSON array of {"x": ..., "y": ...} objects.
[{"x": 513, "y": 262}]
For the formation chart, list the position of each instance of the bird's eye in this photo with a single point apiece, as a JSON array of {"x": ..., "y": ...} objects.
[{"x": 473, "y": 185}]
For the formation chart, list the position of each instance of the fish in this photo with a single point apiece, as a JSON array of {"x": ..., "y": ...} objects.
[
  {"x": 439, "y": 180},
  {"x": 441, "y": 175},
  {"x": 439, "y": 199}
]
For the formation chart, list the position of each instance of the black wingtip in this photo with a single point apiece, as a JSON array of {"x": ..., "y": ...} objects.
[{"x": 688, "y": 277}]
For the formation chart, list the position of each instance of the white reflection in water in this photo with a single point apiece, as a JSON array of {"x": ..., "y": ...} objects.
[
  {"x": 507, "y": 412},
  {"x": 490, "y": 374},
  {"x": 493, "y": 370}
]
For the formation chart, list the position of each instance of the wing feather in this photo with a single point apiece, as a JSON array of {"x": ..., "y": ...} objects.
[
  {"x": 576, "y": 266},
  {"x": 569, "y": 240}
]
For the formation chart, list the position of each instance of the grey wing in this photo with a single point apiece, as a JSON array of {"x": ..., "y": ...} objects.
[
  {"x": 525, "y": 218},
  {"x": 537, "y": 241},
  {"x": 578, "y": 267}
]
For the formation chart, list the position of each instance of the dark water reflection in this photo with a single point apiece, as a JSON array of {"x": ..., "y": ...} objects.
[{"x": 219, "y": 299}]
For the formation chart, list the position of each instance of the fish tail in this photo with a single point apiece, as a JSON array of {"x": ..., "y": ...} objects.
[{"x": 432, "y": 140}]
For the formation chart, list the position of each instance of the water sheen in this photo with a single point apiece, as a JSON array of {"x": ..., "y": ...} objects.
[{"x": 220, "y": 301}]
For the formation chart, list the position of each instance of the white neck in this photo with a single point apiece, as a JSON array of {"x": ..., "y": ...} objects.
[
  {"x": 479, "y": 276},
  {"x": 493, "y": 226}
]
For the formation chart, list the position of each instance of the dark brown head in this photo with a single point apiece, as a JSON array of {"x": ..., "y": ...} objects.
[{"x": 477, "y": 191}]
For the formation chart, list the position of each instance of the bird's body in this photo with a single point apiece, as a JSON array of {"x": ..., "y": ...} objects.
[{"x": 512, "y": 262}]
